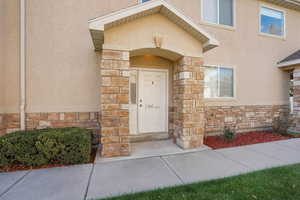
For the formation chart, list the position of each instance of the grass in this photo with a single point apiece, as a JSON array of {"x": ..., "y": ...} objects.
[{"x": 281, "y": 183}]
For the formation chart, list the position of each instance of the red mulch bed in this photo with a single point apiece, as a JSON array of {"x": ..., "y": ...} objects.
[
  {"x": 218, "y": 142},
  {"x": 21, "y": 168}
]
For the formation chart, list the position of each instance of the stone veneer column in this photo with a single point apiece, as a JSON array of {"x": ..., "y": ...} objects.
[
  {"x": 114, "y": 114},
  {"x": 296, "y": 101},
  {"x": 188, "y": 89}
]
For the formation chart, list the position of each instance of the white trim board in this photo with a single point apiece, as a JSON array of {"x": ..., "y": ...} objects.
[{"x": 289, "y": 63}]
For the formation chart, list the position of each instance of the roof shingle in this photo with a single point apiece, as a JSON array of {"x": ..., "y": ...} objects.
[{"x": 294, "y": 56}]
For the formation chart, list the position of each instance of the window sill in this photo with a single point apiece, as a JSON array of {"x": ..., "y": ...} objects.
[
  {"x": 225, "y": 27},
  {"x": 272, "y": 36},
  {"x": 220, "y": 99}
]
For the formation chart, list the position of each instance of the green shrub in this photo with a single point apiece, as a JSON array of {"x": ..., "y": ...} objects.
[
  {"x": 47, "y": 146},
  {"x": 228, "y": 134}
]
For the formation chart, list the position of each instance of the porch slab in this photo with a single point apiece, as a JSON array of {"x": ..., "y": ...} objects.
[
  {"x": 203, "y": 166},
  {"x": 152, "y": 149},
  {"x": 9, "y": 179},
  {"x": 116, "y": 178},
  {"x": 52, "y": 184},
  {"x": 277, "y": 151},
  {"x": 250, "y": 158}
]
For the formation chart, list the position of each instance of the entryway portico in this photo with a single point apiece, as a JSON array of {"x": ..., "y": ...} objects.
[
  {"x": 291, "y": 64},
  {"x": 150, "y": 57}
]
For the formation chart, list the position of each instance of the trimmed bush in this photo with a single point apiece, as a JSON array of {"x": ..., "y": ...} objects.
[
  {"x": 47, "y": 146},
  {"x": 228, "y": 134}
]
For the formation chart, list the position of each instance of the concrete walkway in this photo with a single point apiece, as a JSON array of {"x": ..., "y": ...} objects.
[{"x": 127, "y": 176}]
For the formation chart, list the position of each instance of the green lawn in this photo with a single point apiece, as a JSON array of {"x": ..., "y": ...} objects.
[{"x": 273, "y": 184}]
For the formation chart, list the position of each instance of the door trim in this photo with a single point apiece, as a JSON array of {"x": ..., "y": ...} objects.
[{"x": 139, "y": 69}]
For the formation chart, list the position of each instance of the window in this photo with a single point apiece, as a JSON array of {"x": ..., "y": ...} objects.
[
  {"x": 218, "y": 12},
  {"x": 219, "y": 82},
  {"x": 143, "y": 1},
  {"x": 272, "y": 21}
]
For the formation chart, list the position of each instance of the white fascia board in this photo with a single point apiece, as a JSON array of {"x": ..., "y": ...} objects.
[
  {"x": 100, "y": 22},
  {"x": 289, "y": 63}
]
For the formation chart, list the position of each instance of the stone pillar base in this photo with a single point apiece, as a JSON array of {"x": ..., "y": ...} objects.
[
  {"x": 114, "y": 114},
  {"x": 190, "y": 143},
  {"x": 295, "y": 127},
  {"x": 115, "y": 150},
  {"x": 189, "y": 120}
]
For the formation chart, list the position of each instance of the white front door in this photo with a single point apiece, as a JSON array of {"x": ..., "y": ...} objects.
[{"x": 152, "y": 101}]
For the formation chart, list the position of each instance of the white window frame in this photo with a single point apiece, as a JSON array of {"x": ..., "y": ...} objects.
[
  {"x": 233, "y": 27},
  {"x": 141, "y": 1},
  {"x": 284, "y": 21},
  {"x": 234, "y": 82}
]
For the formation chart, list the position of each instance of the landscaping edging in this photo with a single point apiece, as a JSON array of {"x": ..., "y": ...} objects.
[{"x": 241, "y": 139}]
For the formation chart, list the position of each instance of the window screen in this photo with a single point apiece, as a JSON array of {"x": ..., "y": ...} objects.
[
  {"x": 210, "y": 11},
  {"x": 226, "y": 82},
  {"x": 219, "y": 82},
  {"x": 218, "y": 12},
  {"x": 211, "y": 82},
  {"x": 226, "y": 12}
]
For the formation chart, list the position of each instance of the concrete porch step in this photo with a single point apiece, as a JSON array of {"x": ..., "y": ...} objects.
[{"x": 151, "y": 149}]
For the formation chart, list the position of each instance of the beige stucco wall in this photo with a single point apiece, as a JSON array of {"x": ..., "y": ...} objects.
[
  {"x": 62, "y": 66},
  {"x": 258, "y": 80},
  {"x": 139, "y": 34},
  {"x": 62, "y": 69},
  {"x": 1, "y": 56},
  {"x": 10, "y": 62}
]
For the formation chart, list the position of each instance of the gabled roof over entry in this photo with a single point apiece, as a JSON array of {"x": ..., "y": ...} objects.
[
  {"x": 293, "y": 59},
  {"x": 98, "y": 25}
]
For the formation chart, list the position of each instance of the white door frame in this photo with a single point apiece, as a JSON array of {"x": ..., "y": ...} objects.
[{"x": 139, "y": 69}]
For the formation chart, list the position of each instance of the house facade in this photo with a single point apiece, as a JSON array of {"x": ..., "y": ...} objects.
[{"x": 136, "y": 70}]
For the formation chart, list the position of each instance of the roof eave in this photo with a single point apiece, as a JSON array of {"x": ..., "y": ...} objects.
[
  {"x": 97, "y": 25},
  {"x": 289, "y": 63},
  {"x": 290, "y": 4},
  {"x": 210, "y": 44}
]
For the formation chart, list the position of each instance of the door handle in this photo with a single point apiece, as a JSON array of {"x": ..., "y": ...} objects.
[{"x": 141, "y": 105}]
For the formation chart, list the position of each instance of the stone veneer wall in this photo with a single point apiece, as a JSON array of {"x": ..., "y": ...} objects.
[
  {"x": 2, "y": 126},
  {"x": 295, "y": 126},
  {"x": 114, "y": 66},
  {"x": 188, "y": 102},
  {"x": 242, "y": 118},
  {"x": 11, "y": 122}
]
